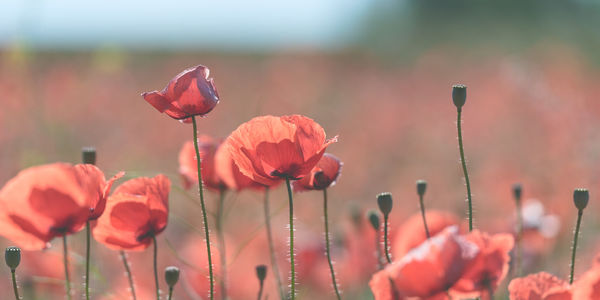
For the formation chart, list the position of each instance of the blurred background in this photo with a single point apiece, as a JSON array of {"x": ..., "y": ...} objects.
[{"x": 377, "y": 73}]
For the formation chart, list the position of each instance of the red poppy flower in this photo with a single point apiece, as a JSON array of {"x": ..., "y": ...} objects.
[
  {"x": 47, "y": 201},
  {"x": 412, "y": 232},
  {"x": 428, "y": 270},
  {"x": 268, "y": 149},
  {"x": 190, "y": 93},
  {"x": 488, "y": 268},
  {"x": 542, "y": 286},
  {"x": 135, "y": 213},
  {"x": 188, "y": 166},
  {"x": 322, "y": 176},
  {"x": 229, "y": 172}
]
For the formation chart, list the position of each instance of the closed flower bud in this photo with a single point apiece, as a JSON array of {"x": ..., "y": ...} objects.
[
  {"x": 384, "y": 200},
  {"x": 373, "y": 217},
  {"x": 88, "y": 155},
  {"x": 261, "y": 272},
  {"x": 581, "y": 198},
  {"x": 171, "y": 275},
  {"x": 459, "y": 95},
  {"x": 421, "y": 187},
  {"x": 12, "y": 255},
  {"x": 517, "y": 191}
]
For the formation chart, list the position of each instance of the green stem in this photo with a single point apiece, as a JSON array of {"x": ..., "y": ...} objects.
[
  {"x": 129, "y": 276},
  {"x": 292, "y": 264},
  {"x": 579, "y": 215},
  {"x": 327, "y": 250},
  {"x": 156, "y": 267},
  {"x": 464, "y": 167},
  {"x": 423, "y": 216},
  {"x": 14, "y": 282},
  {"x": 171, "y": 292},
  {"x": 204, "y": 218},
  {"x": 385, "y": 239},
  {"x": 274, "y": 264},
  {"x": 221, "y": 237},
  {"x": 519, "y": 237},
  {"x": 66, "y": 263},
  {"x": 87, "y": 260},
  {"x": 260, "y": 289}
]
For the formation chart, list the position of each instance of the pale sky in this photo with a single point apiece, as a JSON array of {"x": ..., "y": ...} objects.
[{"x": 219, "y": 24}]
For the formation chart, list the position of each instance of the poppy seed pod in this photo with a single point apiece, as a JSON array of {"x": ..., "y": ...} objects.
[
  {"x": 517, "y": 191},
  {"x": 12, "y": 255},
  {"x": 88, "y": 155},
  {"x": 421, "y": 187},
  {"x": 384, "y": 201},
  {"x": 171, "y": 275},
  {"x": 459, "y": 95},
  {"x": 581, "y": 198},
  {"x": 261, "y": 272},
  {"x": 373, "y": 219}
]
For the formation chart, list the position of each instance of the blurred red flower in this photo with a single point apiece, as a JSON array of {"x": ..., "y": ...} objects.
[
  {"x": 428, "y": 270},
  {"x": 587, "y": 285},
  {"x": 268, "y": 149},
  {"x": 188, "y": 166},
  {"x": 229, "y": 172},
  {"x": 51, "y": 200},
  {"x": 488, "y": 268},
  {"x": 541, "y": 286},
  {"x": 136, "y": 212},
  {"x": 190, "y": 93},
  {"x": 412, "y": 232},
  {"x": 322, "y": 176}
]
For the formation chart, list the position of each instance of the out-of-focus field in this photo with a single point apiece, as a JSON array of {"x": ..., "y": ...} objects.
[{"x": 532, "y": 118}]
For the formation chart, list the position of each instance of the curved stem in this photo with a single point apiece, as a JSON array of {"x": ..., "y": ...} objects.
[
  {"x": 423, "y": 216},
  {"x": 464, "y": 167},
  {"x": 221, "y": 238},
  {"x": 14, "y": 282},
  {"x": 156, "y": 268},
  {"x": 579, "y": 215},
  {"x": 327, "y": 250},
  {"x": 260, "y": 289},
  {"x": 129, "y": 276},
  {"x": 385, "y": 239},
  {"x": 274, "y": 264},
  {"x": 204, "y": 218},
  {"x": 292, "y": 264},
  {"x": 87, "y": 260},
  {"x": 66, "y": 263}
]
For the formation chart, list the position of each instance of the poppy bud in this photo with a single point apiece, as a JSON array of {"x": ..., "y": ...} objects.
[
  {"x": 581, "y": 198},
  {"x": 517, "y": 191},
  {"x": 171, "y": 275},
  {"x": 88, "y": 155},
  {"x": 459, "y": 95},
  {"x": 261, "y": 272},
  {"x": 384, "y": 200},
  {"x": 421, "y": 187},
  {"x": 12, "y": 255},
  {"x": 374, "y": 219}
]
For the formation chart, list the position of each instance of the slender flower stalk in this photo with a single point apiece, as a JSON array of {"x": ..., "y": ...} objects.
[
  {"x": 128, "y": 272},
  {"x": 274, "y": 264},
  {"x": 327, "y": 249},
  {"x": 156, "y": 267},
  {"x": 12, "y": 256},
  {"x": 384, "y": 201},
  {"x": 261, "y": 274},
  {"x": 459, "y": 97},
  {"x": 221, "y": 238},
  {"x": 375, "y": 223},
  {"x": 517, "y": 192},
  {"x": 580, "y": 198},
  {"x": 421, "y": 187},
  {"x": 88, "y": 156},
  {"x": 292, "y": 254},
  {"x": 66, "y": 263},
  {"x": 204, "y": 218}
]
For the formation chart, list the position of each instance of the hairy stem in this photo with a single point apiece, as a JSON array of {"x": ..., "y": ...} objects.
[
  {"x": 128, "y": 272},
  {"x": 156, "y": 267},
  {"x": 274, "y": 264},
  {"x": 422, "y": 205},
  {"x": 87, "y": 260},
  {"x": 385, "y": 239},
  {"x": 292, "y": 255},
  {"x": 464, "y": 167},
  {"x": 327, "y": 250},
  {"x": 14, "y": 282},
  {"x": 204, "y": 218},
  {"x": 221, "y": 238},
  {"x": 579, "y": 215},
  {"x": 66, "y": 263}
]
